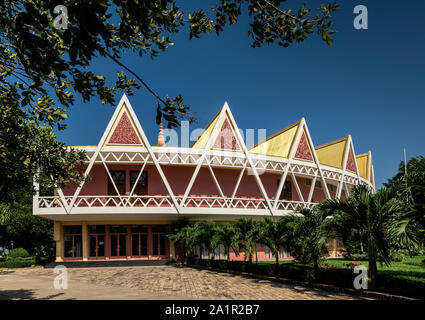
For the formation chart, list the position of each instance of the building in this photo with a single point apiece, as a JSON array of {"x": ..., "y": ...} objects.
[{"x": 138, "y": 190}]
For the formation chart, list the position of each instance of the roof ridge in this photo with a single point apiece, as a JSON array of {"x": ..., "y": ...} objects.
[
  {"x": 331, "y": 143},
  {"x": 277, "y": 133}
]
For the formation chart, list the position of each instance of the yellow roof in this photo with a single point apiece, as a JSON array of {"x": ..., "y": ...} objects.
[
  {"x": 363, "y": 163},
  {"x": 203, "y": 138},
  {"x": 278, "y": 144},
  {"x": 332, "y": 153}
]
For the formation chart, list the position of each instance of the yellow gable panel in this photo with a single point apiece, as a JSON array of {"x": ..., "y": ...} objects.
[
  {"x": 363, "y": 165},
  {"x": 278, "y": 145},
  {"x": 203, "y": 138},
  {"x": 332, "y": 153}
]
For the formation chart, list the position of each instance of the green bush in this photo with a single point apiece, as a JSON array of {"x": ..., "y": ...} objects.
[
  {"x": 18, "y": 262},
  {"x": 18, "y": 253}
]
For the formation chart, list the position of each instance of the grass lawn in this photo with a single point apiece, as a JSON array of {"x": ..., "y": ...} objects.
[{"x": 411, "y": 268}]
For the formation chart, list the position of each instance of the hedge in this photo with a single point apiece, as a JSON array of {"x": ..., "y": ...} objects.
[
  {"x": 332, "y": 276},
  {"x": 18, "y": 253},
  {"x": 18, "y": 262}
]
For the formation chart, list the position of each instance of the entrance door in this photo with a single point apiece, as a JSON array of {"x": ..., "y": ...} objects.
[
  {"x": 139, "y": 240},
  {"x": 118, "y": 241}
]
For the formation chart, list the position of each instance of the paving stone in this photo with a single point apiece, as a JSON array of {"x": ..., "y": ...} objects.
[{"x": 188, "y": 283}]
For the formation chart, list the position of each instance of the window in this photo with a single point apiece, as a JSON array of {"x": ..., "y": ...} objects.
[
  {"x": 217, "y": 253},
  {"x": 309, "y": 181},
  {"x": 142, "y": 184},
  {"x": 283, "y": 253},
  {"x": 331, "y": 187},
  {"x": 268, "y": 252},
  {"x": 205, "y": 253},
  {"x": 139, "y": 240},
  {"x": 158, "y": 240},
  {"x": 224, "y": 254},
  {"x": 119, "y": 180},
  {"x": 118, "y": 241},
  {"x": 197, "y": 251},
  {"x": 286, "y": 193},
  {"x": 72, "y": 241},
  {"x": 97, "y": 241}
]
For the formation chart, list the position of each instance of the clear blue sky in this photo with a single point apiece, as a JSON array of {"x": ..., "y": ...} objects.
[{"x": 369, "y": 84}]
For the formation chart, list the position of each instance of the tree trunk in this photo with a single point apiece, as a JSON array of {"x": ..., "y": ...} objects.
[
  {"x": 361, "y": 243},
  {"x": 256, "y": 255},
  {"x": 315, "y": 266},
  {"x": 277, "y": 257},
  {"x": 372, "y": 270}
]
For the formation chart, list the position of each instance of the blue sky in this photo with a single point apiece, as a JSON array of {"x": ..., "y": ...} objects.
[{"x": 369, "y": 84}]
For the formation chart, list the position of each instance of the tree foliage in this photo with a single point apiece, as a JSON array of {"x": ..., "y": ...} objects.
[
  {"x": 309, "y": 237},
  {"x": 43, "y": 69},
  {"x": 371, "y": 214},
  {"x": 409, "y": 226},
  {"x": 19, "y": 228}
]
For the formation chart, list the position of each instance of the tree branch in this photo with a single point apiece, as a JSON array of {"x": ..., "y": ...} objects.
[{"x": 285, "y": 13}]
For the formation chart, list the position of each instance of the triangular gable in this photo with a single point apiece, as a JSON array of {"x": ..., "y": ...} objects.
[
  {"x": 278, "y": 144},
  {"x": 350, "y": 166},
  {"x": 125, "y": 110},
  {"x": 303, "y": 149},
  {"x": 123, "y": 131},
  {"x": 332, "y": 153},
  {"x": 226, "y": 139}
]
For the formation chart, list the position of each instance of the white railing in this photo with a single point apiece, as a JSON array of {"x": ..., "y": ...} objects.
[{"x": 159, "y": 201}]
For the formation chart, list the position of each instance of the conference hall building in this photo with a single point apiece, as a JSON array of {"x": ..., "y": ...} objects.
[{"x": 137, "y": 190}]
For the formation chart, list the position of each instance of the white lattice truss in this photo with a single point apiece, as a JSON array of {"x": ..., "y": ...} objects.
[{"x": 200, "y": 158}]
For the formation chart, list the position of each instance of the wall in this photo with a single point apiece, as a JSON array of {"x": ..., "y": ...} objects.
[{"x": 204, "y": 185}]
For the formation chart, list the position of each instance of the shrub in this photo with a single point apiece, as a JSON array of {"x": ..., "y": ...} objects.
[
  {"x": 18, "y": 253},
  {"x": 18, "y": 262}
]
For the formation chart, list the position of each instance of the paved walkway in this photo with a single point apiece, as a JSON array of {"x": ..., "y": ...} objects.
[{"x": 153, "y": 282}]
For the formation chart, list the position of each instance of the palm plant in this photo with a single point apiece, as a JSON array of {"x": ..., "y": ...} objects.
[
  {"x": 408, "y": 228},
  {"x": 247, "y": 232},
  {"x": 371, "y": 214},
  {"x": 309, "y": 236},
  {"x": 187, "y": 237},
  {"x": 207, "y": 235},
  {"x": 272, "y": 235},
  {"x": 229, "y": 238}
]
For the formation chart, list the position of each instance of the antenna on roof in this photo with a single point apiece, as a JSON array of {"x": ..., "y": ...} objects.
[{"x": 405, "y": 162}]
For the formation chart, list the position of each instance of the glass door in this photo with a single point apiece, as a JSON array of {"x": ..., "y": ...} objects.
[
  {"x": 139, "y": 240},
  {"x": 118, "y": 241}
]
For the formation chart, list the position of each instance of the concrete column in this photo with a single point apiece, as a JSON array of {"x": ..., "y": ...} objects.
[
  {"x": 85, "y": 239},
  {"x": 107, "y": 242},
  {"x": 58, "y": 238},
  {"x": 172, "y": 251},
  {"x": 129, "y": 243}
]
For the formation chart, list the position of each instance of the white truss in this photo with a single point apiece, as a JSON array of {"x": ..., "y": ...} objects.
[{"x": 209, "y": 159}]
